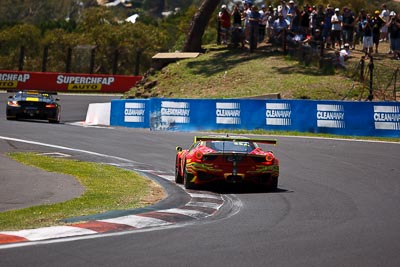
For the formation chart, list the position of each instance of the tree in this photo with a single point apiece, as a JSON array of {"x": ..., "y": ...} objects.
[{"x": 199, "y": 24}]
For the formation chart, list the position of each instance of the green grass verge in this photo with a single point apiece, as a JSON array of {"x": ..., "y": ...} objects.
[{"x": 106, "y": 188}]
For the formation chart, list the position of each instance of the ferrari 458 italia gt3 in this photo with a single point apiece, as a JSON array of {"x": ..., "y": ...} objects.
[
  {"x": 33, "y": 105},
  {"x": 232, "y": 159}
]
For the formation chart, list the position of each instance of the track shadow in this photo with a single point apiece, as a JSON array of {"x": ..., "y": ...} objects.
[
  {"x": 36, "y": 121},
  {"x": 239, "y": 188}
]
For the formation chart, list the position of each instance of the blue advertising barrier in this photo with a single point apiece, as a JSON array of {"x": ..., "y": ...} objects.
[
  {"x": 130, "y": 113},
  {"x": 333, "y": 117}
]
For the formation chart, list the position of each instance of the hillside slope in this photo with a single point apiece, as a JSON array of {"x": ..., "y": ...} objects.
[{"x": 233, "y": 73}]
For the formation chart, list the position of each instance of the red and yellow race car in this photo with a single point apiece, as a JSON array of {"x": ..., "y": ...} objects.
[{"x": 232, "y": 159}]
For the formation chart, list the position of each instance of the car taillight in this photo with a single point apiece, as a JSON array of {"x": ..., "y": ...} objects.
[
  {"x": 269, "y": 158},
  {"x": 51, "y": 105},
  {"x": 13, "y": 103},
  {"x": 198, "y": 155}
]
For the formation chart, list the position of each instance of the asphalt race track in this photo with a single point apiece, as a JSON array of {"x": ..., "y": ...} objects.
[{"x": 337, "y": 203}]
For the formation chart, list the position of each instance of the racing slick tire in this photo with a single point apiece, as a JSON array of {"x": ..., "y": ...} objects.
[
  {"x": 273, "y": 186},
  {"x": 9, "y": 116},
  {"x": 56, "y": 119},
  {"x": 187, "y": 177},
  {"x": 178, "y": 177}
]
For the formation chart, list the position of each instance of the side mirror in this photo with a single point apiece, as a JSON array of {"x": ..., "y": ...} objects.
[{"x": 178, "y": 148}]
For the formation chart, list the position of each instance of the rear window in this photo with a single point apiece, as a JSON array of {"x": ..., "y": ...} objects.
[
  {"x": 229, "y": 146},
  {"x": 42, "y": 97}
]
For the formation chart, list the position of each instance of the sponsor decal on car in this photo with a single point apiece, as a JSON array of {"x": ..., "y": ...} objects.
[{"x": 32, "y": 99}]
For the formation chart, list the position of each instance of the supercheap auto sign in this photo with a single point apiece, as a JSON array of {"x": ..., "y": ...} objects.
[{"x": 66, "y": 82}]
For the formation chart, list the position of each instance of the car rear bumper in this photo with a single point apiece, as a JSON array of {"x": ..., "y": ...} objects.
[{"x": 23, "y": 113}]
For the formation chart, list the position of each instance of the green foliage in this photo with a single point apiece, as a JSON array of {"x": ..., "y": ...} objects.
[
  {"x": 175, "y": 27},
  {"x": 58, "y": 41},
  {"x": 11, "y": 41},
  {"x": 99, "y": 28},
  {"x": 19, "y": 35}
]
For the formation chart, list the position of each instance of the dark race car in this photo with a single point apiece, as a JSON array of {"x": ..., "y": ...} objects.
[
  {"x": 33, "y": 104},
  {"x": 231, "y": 159}
]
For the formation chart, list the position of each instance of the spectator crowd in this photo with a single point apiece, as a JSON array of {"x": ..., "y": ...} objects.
[{"x": 329, "y": 27}]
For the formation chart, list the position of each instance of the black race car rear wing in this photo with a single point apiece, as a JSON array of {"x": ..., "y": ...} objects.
[
  {"x": 236, "y": 139},
  {"x": 32, "y": 91}
]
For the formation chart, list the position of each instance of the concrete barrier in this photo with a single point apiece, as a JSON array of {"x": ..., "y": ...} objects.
[{"x": 98, "y": 114}]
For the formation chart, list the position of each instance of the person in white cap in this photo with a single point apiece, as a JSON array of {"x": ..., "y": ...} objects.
[
  {"x": 394, "y": 31},
  {"x": 391, "y": 15},
  {"x": 345, "y": 51},
  {"x": 224, "y": 18},
  {"x": 385, "y": 16},
  {"x": 291, "y": 11},
  {"x": 287, "y": 10},
  {"x": 336, "y": 33}
]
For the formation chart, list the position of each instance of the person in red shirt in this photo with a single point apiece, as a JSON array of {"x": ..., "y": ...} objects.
[{"x": 224, "y": 18}]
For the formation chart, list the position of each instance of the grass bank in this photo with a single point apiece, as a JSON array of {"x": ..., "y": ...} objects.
[{"x": 234, "y": 73}]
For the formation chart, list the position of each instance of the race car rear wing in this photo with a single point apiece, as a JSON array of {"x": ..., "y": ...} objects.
[
  {"x": 32, "y": 91},
  {"x": 236, "y": 139}
]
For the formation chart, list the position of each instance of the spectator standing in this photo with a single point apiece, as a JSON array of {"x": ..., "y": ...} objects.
[
  {"x": 237, "y": 35},
  {"x": 236, "y": 16},
  {"x": 391, "y": 15},
  {"x": 254, "y": 20},
  {"x": 348, "y": 26},
  {"x": 326, "y": 31},
  {"x": 245, "y": 17},
  {"x": 225, "y": 23},
  {"x": 378, "y": 22},
  {"x": 318, "y": 17},
  {"x": 385, "y": 16},
  {"x": 336, "y": 33},
  {"x": 291, "y": 11},
  {"x": 295, "y": 21},
  {"x": 394, "y": 31},
  {"x": 263, "y": 22},
  {"x": 272, "y": 16},
  {"x": 359, "y": 31},
  {"x": 367, "y": 35},
  {"x": 279, "y": 27},
  {"x": 305, "y": 20},
  {"x": 283, "y": 9}
]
